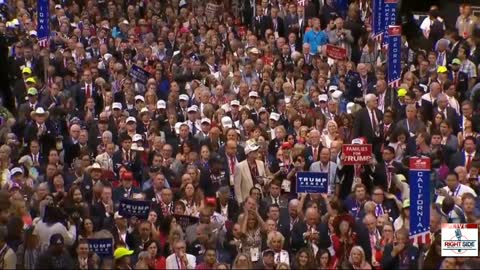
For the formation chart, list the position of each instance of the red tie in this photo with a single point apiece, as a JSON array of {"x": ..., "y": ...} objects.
[
  {"x": 232, "y": 165},
  {"x": 88, "y": 93},
  {"x": 469, "y": 162},
  {"x": 455, "y": 78},
  {"x": 315, "y": 154}
]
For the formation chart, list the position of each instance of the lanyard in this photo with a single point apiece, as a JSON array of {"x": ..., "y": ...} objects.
[
  {"x": 179, "y": 263},
  {"x": 457, "y": 190},
  {"x": 328, "y": 168}
]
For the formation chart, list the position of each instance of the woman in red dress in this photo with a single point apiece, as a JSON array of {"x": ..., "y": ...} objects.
[
  {"x": 344, "y": 238},
  {"x": 156, "y": 260}
]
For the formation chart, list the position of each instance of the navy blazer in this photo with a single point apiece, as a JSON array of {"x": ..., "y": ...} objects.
[
  {"x": 411, "y": 258},
  {"x": 121, "y": 193},
  {"x": 299, "y": 242}
]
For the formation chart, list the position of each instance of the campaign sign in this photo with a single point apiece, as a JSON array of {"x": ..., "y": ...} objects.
[
  {"x": 102, "y": 247},
  {"x": 419, "y": 180},
  {"x": 336, "y": 52},
  {"x": 185, "y": 221},
  {"x": 211, "y": 10},
  {"x": 459, "y": 240},
  {"x": 356, "y": 154},
  {"x": 131, "y": 208},
  {"x": 139, "y": 74},
  {"x": 312, "y": 182}
]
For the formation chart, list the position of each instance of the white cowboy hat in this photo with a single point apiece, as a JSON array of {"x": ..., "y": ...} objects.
[
  {"x": 94, "y": 166},
  {"x": 39, "y": 111}
]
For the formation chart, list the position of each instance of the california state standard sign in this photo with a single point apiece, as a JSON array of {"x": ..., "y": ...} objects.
[{"x": 356, "y": 154}]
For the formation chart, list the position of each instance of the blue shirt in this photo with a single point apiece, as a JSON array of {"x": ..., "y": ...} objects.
[{"x": 315, "y": 39}]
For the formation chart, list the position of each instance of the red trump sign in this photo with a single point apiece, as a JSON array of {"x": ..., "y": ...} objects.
[{"x": 356, "y": 154}]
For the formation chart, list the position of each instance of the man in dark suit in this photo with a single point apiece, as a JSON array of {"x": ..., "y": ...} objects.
[
  {"x": 273, "y": 213},
  {"x": 86, "y": 89},
  {"x": 386, "y": 170},
  {"x": 458, "y": 78},
  {"x": 126, "y": 190},
  {"x": 401, "y": 254},
  {"x": 386, "y": 96},
  {"x": 34, "y": 153},
  {"x": 102, "y": 211},
  {"x": 384, "y": 203},
  {"x": 353, "y": 87},
  {"x": 227, "y": 206},
  {"x": 89, "y": 180},
  {"x": 126, "y": 157},
  {"x": 28, "y": 60},
  {"x": 274, "y": 195},
  {"x": 411, "y": 123},
  {"x": 387, "y": 126},
  {"x": 310, "y": 231},
  {"x": 312, "y": 152},
  {"x": 28, "y": 106},
  {"x": 467, "y": 157},
  {"x": 366, "y": 80},
  {"x": 121, "y": 234},
  {"x": 71, "y": 145},
  {"x": 448, "y": 113},
  {"x": 257, "y": 22},
  {"x": 157, "y": 180},
  {"x": 367, "y": 124},
  {"x": 277, "y": 24},
  {"x": 42, "y": 130},
  {"x": 291, "y": 19}
]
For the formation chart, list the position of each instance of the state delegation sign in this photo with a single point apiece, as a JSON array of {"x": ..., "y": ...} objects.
[{"x": 356, "y": 154}]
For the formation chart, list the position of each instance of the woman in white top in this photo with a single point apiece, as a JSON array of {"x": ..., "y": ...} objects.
[
  {"x": 330, "y": 133},
  {"x": 404, "y": 219}
]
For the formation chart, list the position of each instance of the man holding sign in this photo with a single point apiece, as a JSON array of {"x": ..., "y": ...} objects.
[{"x": 324, "y": 165}]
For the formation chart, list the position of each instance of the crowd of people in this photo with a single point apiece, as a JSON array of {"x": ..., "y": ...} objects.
[{"x": 240, "y": 96}]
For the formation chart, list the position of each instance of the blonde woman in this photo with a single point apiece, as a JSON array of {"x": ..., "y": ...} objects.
[
  {"x": 242, "y": 261},
  {"x": 275, "y": 241},
  {"x": 357, "y": 259},
  {"x": 330, "y": 134},
  {"x": 151, "y": 97},
  {"x": 5, "y": 152}
]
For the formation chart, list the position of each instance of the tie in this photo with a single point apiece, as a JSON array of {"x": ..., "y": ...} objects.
[
  {"x": 378, "y": 210},
  {"x": 276, "y": 201},
  {"x": 182, "y": 264},
  {"x": 389, "y": 177},
  {"x": 374, "y": 121},
  {"x": 232, "y": 165},
  {"x": 469, "y": 162},
  {"x": 315, "y": 153},
  {"x": 194, "y": 129},
  {"x": 35, "y": 159},
  {"x": 128, "y": 155},
  {"x": 455, "y": 78},
  {"x": 87, "y": 92}
]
